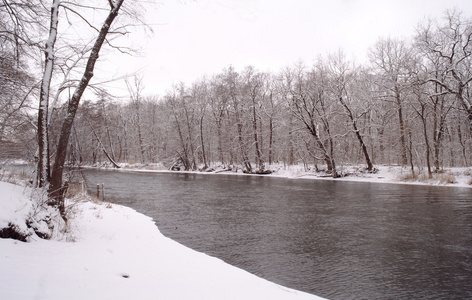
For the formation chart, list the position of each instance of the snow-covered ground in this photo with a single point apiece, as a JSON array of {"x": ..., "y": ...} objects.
[
  {"x": 458, "y": 177},
  {"x": 455, "y": 177},
  {"x": 109, "y": 251}
]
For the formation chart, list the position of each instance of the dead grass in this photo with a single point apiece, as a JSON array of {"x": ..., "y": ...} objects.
[
  {"x": 74, "y": 190},
  {"x": 440, "y": 178},
  {"x": 409, "y": 177},
  {"x": 446, "y": 178},
  {"x": 21, "y": 175}
]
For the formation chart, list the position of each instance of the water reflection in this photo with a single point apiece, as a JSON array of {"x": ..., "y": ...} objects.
[{"x": 339, "y": 240}]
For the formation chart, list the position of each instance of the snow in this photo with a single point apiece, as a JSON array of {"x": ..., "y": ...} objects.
[
  {"x": 109, "y": 251},
  {"x": 14, "y": 206},
  {"x": 453, "y": 177}
]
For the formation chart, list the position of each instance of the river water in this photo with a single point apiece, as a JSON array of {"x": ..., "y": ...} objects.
[{"x": 335, "y": 239}]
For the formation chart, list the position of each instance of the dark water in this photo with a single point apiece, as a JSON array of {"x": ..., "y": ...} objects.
[{"x": 340, "y": 240}]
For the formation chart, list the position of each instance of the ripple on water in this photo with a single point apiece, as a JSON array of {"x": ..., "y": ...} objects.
[{"x": 340, "y": 240}]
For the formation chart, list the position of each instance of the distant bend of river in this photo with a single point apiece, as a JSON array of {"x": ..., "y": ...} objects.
[{"x": 335, "y": 239}]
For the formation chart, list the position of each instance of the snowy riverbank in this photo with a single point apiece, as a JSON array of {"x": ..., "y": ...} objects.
[
  {"x": 107, "y": 251},
  {"x": 112, "y": 252},
  {"x": 454, "y": 177}
]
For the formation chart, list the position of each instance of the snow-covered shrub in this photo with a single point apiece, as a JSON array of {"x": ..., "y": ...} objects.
[{"x": 24, "y": 214}]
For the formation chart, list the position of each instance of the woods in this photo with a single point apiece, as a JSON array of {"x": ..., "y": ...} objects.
[
  {"x": 395, "y": 110},
  {"x": 409, "y": 104}
]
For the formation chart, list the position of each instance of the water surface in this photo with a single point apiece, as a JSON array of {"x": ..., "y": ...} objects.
[{"x": 335, "y": 239}]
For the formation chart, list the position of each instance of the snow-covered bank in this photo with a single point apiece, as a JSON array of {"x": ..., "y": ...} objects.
[
  {"x": 454, "y": 177},
  {"x": 113, "y": 252}
]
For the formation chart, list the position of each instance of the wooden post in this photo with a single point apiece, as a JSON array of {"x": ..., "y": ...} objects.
[
  {"x": 98, "y": 191},
  {"x": 103, "y": 191}
]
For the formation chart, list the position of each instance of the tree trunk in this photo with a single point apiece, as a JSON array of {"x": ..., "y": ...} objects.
[
  {"x": 291, "y": 155},
  {"x": 404, "y": 158},
  {"x": 203, "y": 144},
  {"x": 244, "y": 156},
  {"x": 330, "y": 163},
  {"x": 426, "y": 140},
  {"x": 461, "y": 141},
  {"x": 110, "y": 158},
  {"x": 184, "y": 154},
  {"x": 410, "y": 154},
  {"x": 239, "y": 130},
  {"x": 193, "y": 164},
  {"x": 55, "y": 188},
  {"x": 219, "y": 123},
  {"x": 271, "y": 139},
  {"x": 43, "y": 171},
  {"x": 107, "y": 128},
  {"x": 140, "y": 135},
  {"x": 368, "y": 161},
  {"x": 259, "y": 160},
  {"x": 381, "y": 143}
]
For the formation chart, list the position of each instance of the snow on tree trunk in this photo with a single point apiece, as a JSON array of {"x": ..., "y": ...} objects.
[{"x": 43, "y": 142}]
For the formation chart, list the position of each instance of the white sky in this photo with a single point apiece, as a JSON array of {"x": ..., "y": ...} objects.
[{"x": 194, "y": 38}]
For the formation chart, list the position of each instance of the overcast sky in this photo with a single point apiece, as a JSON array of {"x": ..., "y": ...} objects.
[{"x": 194, "y": 38}]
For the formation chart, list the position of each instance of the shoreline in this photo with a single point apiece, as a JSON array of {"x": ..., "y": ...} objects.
[
  {"x": 110, "y": 251},
  {"x": 385, "y": 175}
]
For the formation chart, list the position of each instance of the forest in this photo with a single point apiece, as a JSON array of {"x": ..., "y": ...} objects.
[{"x": 410, "y": 104}]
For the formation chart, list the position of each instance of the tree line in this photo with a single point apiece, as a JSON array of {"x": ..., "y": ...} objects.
[{"x": 410, "y": 105}]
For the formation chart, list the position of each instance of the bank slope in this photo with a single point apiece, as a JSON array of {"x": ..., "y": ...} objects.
[{"x": 113, "y": 252}]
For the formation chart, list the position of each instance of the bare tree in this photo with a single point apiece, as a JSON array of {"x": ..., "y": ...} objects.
[
  {"x": 272, "y": 109},
  {"x": 21, "y": 22},
  {"x": 238, "y": 106},
  {"x": 421, "y": 108},
  {"x": 181, "y": 109},
  {"x": 253, "y": 92},
  {"x": 17, "y": 87},
  {"x": 450, "y": 44},
  {"x": 200, "y": 94},
  {"x": 135, "y": 90},
  {"x": 343, "y": 75},
  {"x": 55, "y": 188},
  {"x": 310, "y": 106},
  {"x": 219, "y": 110},
  {"x": 391, "y": 59}
]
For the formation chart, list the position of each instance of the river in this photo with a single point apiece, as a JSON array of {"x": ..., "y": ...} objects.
[{"x": 335, "y": 239}]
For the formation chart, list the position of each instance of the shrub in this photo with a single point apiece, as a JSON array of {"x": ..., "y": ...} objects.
[{"x": 446, "y": 178}]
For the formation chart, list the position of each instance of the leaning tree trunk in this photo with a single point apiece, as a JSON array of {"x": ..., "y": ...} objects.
[
  {"x": 368, "y": 161},
  {"x": 327, "y": 156},
  {"x": 110, "y": 158},
  {"x": 56, "y": 196}
]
